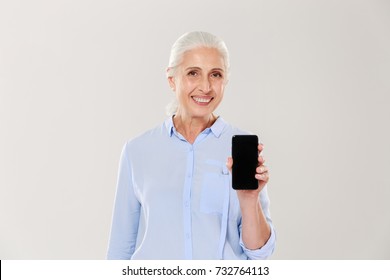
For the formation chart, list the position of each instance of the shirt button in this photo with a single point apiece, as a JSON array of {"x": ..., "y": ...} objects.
[
  {"x": 187, "y": 235},
  {"x": 187, "y": 204}
]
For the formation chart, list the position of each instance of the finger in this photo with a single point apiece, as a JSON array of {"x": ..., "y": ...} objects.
[
  {"x": 261, "y": 169},
  {"x": 260, "y": 147},
  {"x": 262, "y": 177},
  {"x": 261, "y": 160}
]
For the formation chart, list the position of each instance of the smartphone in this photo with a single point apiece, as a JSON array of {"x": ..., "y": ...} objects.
[{"x": 245, "y": 161}]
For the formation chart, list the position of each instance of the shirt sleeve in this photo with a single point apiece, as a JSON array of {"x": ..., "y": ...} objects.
[
  {"x": 125, "y": 220},
  {"x": 268, "y": 248}
]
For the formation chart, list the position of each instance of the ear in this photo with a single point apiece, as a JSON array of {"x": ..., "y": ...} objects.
[{"x": 171, "y": 81}]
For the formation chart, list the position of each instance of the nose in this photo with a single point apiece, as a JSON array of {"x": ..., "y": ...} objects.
[{"x": 205, "y": 85}]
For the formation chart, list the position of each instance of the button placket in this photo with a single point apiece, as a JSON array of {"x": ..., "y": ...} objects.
[{"x": 187, "y": 204}]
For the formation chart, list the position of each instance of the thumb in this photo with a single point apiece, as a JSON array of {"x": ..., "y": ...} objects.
[{"x": 229, "y": 163}]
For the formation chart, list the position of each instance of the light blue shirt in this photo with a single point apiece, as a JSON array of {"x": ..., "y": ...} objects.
[{"x": 174, "y": 199}]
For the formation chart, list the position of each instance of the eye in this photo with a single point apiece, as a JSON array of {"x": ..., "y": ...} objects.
[
  {"x": 217, "y": 75},
  {"x": 192, "y": 73}
]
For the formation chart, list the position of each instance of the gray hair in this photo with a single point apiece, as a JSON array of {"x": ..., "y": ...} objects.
[
  {"x": 187, "y": 42},
  {"x": 193, "y": 40}
]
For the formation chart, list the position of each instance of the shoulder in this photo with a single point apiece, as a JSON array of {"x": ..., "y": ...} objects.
[
  {"x": 231, "y": 129},
  {"x": 148, "y": 138}
]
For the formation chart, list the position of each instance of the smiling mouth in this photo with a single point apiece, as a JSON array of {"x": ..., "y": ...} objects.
[{"x": 202, "y": 100}]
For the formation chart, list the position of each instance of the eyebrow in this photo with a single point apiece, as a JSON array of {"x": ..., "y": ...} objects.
[{"x": 198, "y": 68}]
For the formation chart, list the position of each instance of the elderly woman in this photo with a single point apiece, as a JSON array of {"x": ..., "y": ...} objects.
[{"x": 174, "y": 198}]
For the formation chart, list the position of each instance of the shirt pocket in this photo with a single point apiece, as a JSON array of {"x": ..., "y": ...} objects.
[{"x": 215, "y": 184}]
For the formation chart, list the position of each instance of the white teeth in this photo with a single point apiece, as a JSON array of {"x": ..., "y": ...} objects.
[{"x": 201, "y": 100}]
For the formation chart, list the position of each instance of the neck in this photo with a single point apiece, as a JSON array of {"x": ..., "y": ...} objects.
[{"x": 191, "y": 127}]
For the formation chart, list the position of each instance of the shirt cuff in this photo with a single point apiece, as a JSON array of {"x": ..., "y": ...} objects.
[{"x": 262, "y": 253}]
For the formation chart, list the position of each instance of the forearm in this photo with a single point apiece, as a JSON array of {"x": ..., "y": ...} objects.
[{"x": 255, "y": 229}]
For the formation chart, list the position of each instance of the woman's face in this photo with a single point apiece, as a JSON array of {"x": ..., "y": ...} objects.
[{"x": 199, "y": 82}]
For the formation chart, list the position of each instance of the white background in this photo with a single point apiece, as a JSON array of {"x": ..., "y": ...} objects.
[{"x": 79, "y": 78}]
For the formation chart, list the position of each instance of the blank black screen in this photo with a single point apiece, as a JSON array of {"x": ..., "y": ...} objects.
[{"x": 245, "y": 154}]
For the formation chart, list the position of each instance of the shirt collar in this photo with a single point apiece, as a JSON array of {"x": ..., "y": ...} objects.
[
  {"x": 216, "y": 128},
  {"x": 169, "y": 125}
]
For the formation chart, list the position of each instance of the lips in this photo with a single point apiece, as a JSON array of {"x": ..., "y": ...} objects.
[{"x": 202, "y": 100}]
